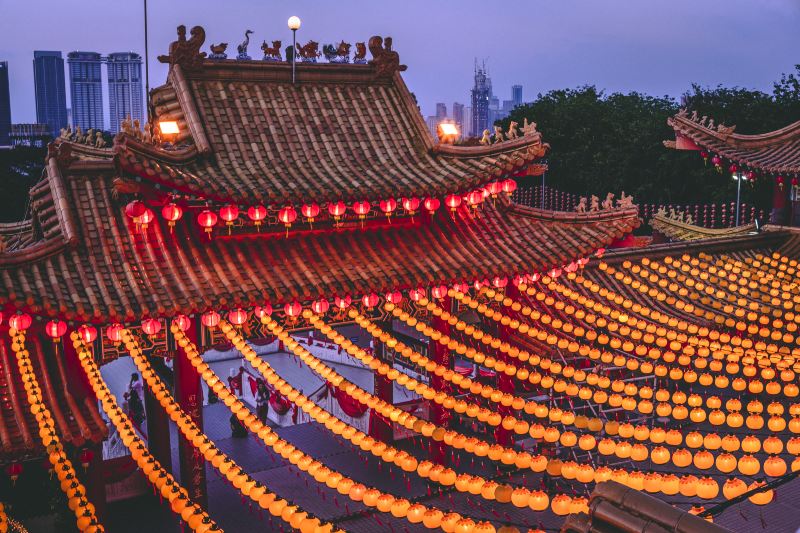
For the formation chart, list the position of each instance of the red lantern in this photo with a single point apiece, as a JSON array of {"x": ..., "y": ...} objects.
[
  {"x": 599, "y": 253},
  {"x": 394, "y": 297},
  {"x": 416, "y": 294},
  {"x": 500, "y": 282},
  {"x": 86, "y": 457},
  {"x": 14, "y": 470},
  {"x": 478, "y": 284},
  {"x": 310, "y": 211},
  {"x": 55, "y": 329},
  {"x": 229, "y": 213},
  {"x": 337, "y": 210},
  {"x": 320, "y": 306},
  {"x": 370, "y": 300},
  {"x": 87, "y": 333},
  {"x": 475, "y": 198},
  {"x": 293, "y": 309},
  {"x": 494, "y": 188},
  {"x": 172, "y": 213},
  {"x": 342, "y": 302},
  {"x": 135, "y": 209},
  {"x": 439, "y": 291},
  {"x": 534, "y": 277},
  {"x": 147, "y": 217},
  {"x": 151, "y": 326},
  {"x": 262, "y": 311},
  {"x": 733, "y": 169},
  {"x": 114, "y": 333},
  {"x": 410, "y": 205},
  {"x": 207, "y": 219},
  {"x": 388, "y": 207},
  {"x": 794, "y": 184},
  {"x": 509, "y": 186},
  {"x": 751, "y": 176},
  {"x": 463, "y": 288},
  {"x": 20, "y": 321},
  {"x": 210, "y": 319},
  {"x": 183, "y": 322},
  {"x": 257, "y": 213},
  {"x": 452, "y": 201},
  {"x": 361, "y": 209},
  {"x": 237, "y": 317},
  {"x": 554, "y": 273},
  {"x": 431, "y": 205},
  {"x": 287, "y": 215},
  {"x": 779, "y": 180},
  {"x": 704, "y": 155}
]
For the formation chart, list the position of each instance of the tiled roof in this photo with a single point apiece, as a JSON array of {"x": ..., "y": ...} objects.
[
  {"x": 77, "y": 420},
  {"x": 682, "y": 231},
  {"x": 109, "y": 272},
  {"x": 775, "y": 152}
]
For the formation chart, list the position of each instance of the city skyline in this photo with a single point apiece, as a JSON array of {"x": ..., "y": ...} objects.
[{"x": 558, "y": 46}]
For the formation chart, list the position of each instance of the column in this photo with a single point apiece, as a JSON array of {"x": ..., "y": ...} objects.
[
  {"x": 188, "y": 394},
  {"x": 379, "y": 428},
  {"x": 96, "y": 482},
  {"x": 441, "y": 354},
  {"x": 157, "y": 420}
]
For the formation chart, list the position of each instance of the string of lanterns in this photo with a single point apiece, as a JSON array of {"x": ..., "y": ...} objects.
[
  {"x": 229, "y": 213},
  {"x": 86, "y": 518},
  {"x": 222, "y": 463},
  {"x": 384, "y": 502},
  {"x": 192, "y": 514},
  {"x": 3, "y": 519}
]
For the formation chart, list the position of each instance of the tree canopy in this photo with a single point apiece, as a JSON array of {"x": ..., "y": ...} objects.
[{"x": 612, "y": 142}]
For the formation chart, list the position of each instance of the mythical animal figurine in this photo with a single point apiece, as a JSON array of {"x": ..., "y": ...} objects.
[
  {"x": 242, "y": 48},
  {"x": 486, "y": 139},
  {"x": 137, "y": 131},
  {"x": 498, "y": 134},
  {"x": 100, "y": 141},
  {"x": 218, "y": 51},
  {"x": 624, "y": 201},
  {"x": 711, "y": 124},
  {"x": 608, "y": 203},
  {"x": 594, "y": 203},
  {"x": 309, "y": 52},
  {"x": 512, "y": 130},
  {"x": 693, "y": 118},
  {"x": 689, "y": 219},
  {"x": 89, "y": 138},
  {"x": 186, "y": 52},
  {"x": 337, "y": 54},
  {"x": 271, "y": 53},
  {"x": 385, "y": 60},
  {"x": 528, "y": 128},
  {"x": 581, "y": 207},
  {"x": 360, "y": 57}
]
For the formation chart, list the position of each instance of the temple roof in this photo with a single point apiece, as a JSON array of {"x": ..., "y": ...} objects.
[
  {"x": 341, "y": 132},
  {"x": 774, "y": 152},
  {"x": 94, "y": 265},
  {"x": 680, "y": 230}
]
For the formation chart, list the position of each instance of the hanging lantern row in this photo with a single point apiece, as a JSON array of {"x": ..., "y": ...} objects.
[
  {"x": 750, "y": 175},
  {"x": 207, "y": 219}
]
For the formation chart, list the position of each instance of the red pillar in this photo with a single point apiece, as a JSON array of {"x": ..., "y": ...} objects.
[
  {"x": 441, "y": 354},
  {"x": 158, "y": 441},
  {"x": 189, "y": 395},
  {"x": 380, "y": 428}
]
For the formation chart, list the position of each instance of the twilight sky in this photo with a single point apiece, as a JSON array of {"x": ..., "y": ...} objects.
[{"x": 657, "y": 47}]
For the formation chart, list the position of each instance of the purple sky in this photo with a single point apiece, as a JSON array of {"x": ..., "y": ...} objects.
[{"x": 655, "y": 47}]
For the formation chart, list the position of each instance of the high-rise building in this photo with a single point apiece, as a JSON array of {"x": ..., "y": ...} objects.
[
  {"x": 480, "y": 95},
  {"x": 5, "y": 106},
  {"x": 51, "y": 93},
  {"x": 467, "y": 123},
  {"x": 86, "y": 89},
  {"x": 125, "y": 94},
  {"x": 458, "y": 117},
  {"x": 516, "y": 95},
  {"x": 441, "y": 110}
]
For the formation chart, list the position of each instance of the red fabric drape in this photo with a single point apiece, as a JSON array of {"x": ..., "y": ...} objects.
[
  {"x": 253, "y": 384},
  {"x": 350, "y": 406},
  {"x": 280, "y": 404}
]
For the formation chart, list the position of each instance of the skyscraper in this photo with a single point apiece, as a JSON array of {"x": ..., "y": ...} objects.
[
  {"x": 516, "y": 95},
  {"x": 5, "y": 106},
  {"x": 441, "y": 110},
  {"x": 480, "y": 94},
  {"x": 86, "y": 89},
  {"x": 458, "y": 117},
  {"x": 51, "y": 93},
  {"x": 125, "y": 95}
]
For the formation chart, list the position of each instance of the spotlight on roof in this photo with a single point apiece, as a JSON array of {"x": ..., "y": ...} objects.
[
  {"x": 448, "y": 128},
  {"x": 294, "y": 23},
  {"x": 447, "y": 132},
  {"x": 168, "y": 127}
]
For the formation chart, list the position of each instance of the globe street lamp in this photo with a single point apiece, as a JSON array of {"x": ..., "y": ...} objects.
[{"x": 294, "y": 25}]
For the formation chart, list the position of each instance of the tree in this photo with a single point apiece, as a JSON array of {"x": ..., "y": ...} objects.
[{"x": 20, "y": 168}]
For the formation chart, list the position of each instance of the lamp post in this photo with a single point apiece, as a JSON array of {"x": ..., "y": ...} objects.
[
  {"x": 294, "y": 25},
  {"x": 738, "y": 176}
]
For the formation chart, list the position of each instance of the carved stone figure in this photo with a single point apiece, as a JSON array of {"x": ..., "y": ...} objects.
[
  {"x": 581, "y": 207},
  {"x": 125, "y": 126},
  {"x": 608, "y": 203},
  {"x": 726, "y": 130},
  {"x": 137, "y": 131},
  {"x": 625, "y": 201},
  {"x": 486, "y": 139},
  {"x": 360, "y": 57},
  {"x": 594, "y": 204},
  {"x": 385, "y": 60},
  {"x": 218, "y": 51},
  {"x": 186, "y": 53},
  {"x": 693, "y": 118},
  {"x": 271, "y": 53},
  {"x": 63, "y": 134},
  {"x": 498, "y": 134},
  {"x": 337, "y": 54},
  {"x": 242, "y": 48},
  {"x": 309, "y": 52},
  {"x": 147, "y": 136},
  {"x": 711, "y": 124},
  {"x": 89, "y": 139},
  {"x": 100, "y": 141},
  {"x": 528, "y": 129},
  {"x": 512, "y": 130},
  {"x": 689, "y": 219}
]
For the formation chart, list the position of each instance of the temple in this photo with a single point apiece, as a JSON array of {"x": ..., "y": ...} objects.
[{"x": 260, "y": 215}]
